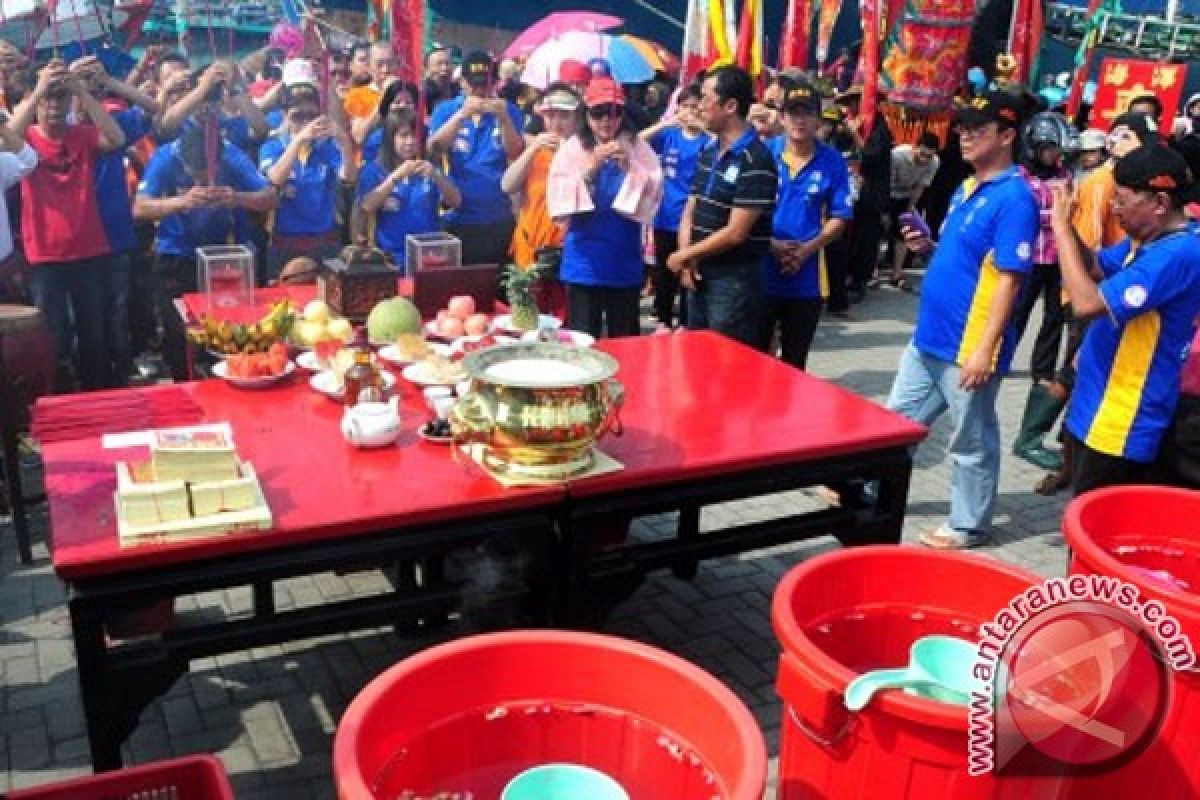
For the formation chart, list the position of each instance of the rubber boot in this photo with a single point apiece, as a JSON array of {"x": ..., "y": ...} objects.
[{"x": 1041, "y": 410}]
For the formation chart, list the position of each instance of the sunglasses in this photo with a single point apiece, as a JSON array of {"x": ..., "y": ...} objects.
[{"x": 605, "y": 111}]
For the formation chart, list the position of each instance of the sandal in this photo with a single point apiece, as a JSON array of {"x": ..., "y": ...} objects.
[
  {"x": 901, "y": 284},
  {"x": 947, "y": 538},
  {"x": 1051, "y": 484},
  {"x": 874, "y": 283}
]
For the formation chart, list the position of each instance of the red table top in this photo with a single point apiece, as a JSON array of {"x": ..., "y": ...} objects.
[
  {"x": 697, "y": 405},
  {"x": 700, "y": 404}
]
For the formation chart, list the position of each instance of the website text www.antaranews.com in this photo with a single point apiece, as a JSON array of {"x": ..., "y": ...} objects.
[{"x": 1038, "y": 599}]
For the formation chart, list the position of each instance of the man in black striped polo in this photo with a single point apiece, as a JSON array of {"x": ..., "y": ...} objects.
[{"x": 725, "y": 232}]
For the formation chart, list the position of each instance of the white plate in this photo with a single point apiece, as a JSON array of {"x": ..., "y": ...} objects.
[
  {"x": 418, "y": 374},
  {"x": 392, "y": 354},
  {"x": 221, "y": 370},
  {"x": 504, "y": 323},
  {"x": 461, "y": 342},
  {"x": 328, "y": 384},
  {"x": 308, "y": 360},
  {"x": 577, "y": 338}
]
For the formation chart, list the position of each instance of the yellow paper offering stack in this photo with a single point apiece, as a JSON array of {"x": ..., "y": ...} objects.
[{"x": 193, "y": 484}]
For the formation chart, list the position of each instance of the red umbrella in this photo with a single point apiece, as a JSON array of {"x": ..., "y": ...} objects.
[{"x": 556, "y": 24}]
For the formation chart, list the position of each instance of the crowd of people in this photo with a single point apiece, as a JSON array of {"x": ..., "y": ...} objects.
[{"x": 743, "y": 211}]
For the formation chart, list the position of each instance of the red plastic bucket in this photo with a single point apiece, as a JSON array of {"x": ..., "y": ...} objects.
[
  {"x": 469, "y": 715},
  {"x": 1148, "y": 536},
  {"x": 851, "y": 611}
]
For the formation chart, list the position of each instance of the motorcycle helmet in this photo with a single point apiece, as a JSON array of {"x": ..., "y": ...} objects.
[{"x": 1048, "y": 128}]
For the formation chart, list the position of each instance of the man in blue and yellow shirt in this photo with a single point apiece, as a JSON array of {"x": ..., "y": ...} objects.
[
  {"x": 812, "y": 210},
  {"x": 964, "y": 340},
  {"x": 1148, "y": 286}
]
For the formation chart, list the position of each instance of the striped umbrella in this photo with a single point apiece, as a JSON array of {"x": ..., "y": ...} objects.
[{"x": 657, "y": 56}]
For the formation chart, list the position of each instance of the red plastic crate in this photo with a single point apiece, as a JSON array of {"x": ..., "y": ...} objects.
[{"x": 199, "y": 777}]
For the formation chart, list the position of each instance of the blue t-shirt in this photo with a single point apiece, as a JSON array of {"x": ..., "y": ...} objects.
[
  {"x": 678, "y": 154},
  {"x": 181, "y": 234},
  {"x": 412, "y": 207},
  {"x": 602, "y": 247},
  {"x": 308, "y": 200},
  {"x": 236, "y": 131},
  {"x": 477, "y": 162},
  {"x": 371, "y": 145},
  {"x": 112, "y": 192},
  {"x": 1130, "y": 363},
  {"x": 990, "y": 227},
  {"x": 819, "y": 190}
]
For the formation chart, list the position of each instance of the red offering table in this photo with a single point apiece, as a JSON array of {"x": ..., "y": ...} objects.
[{"x": 706, "y": 421}]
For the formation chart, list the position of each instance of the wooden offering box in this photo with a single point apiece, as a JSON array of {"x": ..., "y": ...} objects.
[{"x": 354, "y": 283}]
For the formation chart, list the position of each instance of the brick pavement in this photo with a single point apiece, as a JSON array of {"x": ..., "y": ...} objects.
[{"x": 270, "y": 713}]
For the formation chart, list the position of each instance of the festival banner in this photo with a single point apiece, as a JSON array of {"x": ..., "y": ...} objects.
[
  {"x": 827, "y": 16},
  {"x": 698, "y": 46},
  {"x": 1025, "y": 38},
  {"x": 1123, "y": 79},
  {"x": 869, "y": 64},
  {"x": 749, "y": 45},
  {"x": 1097, "y": 14},
  {"x": 793, "y": 39},
  {"x": 408, "y": 38},
  {"x": 925, "y": 55}
]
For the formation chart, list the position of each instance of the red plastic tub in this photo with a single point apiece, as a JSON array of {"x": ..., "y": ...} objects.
[
  {"x": 852, "y": 611},
  {"x": 470, "y": 715},
  {"x": 1148, "y": 536},
  {"x": 199, "y": 777}
]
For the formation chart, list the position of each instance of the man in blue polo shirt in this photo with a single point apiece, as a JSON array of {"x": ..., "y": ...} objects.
[
  {"x": 479, "y": 134},
  {"x": 964, "y": 340},
  {"x": 812, "y": 210},
  {"x": 175, "y": 192},
  {"x": 1145, "y": 293}
]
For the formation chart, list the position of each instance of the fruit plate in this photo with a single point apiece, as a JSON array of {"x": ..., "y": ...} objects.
[
  {"x": 504, "y": 323},
  {"x": 392, "y": 355},
  {"x": 221, "y": 370},
  {"x": 328, "y": 384},
  {"x": 431, "y": 329},
  {"x": 564, "y": 336},
  {"x": 422, "y": 375},
  {"x": 468, "y": 344}
]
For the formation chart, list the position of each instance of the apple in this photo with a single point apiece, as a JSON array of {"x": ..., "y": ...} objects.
[
  {"x": 451, "y": 327},
  {"x": 316, "y": 311},
  {"x": 461, "y": 306},
  {"x": 476, "y": 325},
  {"x": 341, "y": 329}
]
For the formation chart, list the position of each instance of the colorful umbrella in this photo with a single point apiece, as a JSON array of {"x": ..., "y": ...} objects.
[
  {"x": 659, "y": 57},
  {"x": 556, "y": 24},
  {"x": 625, "y": 62}
]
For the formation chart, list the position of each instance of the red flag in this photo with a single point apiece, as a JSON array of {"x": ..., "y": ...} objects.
[
  {"x": 793, "y": 40},
  {"x": 697, "y": 41},
  {"x": 408, "y": 38},
  {"x": 869, "y": 64},
  {"x": 1025, "y": 37},
  {"x": 749, "y": 44}
]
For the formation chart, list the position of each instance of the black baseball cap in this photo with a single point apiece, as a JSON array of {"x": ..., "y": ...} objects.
[
  {"x": 478, "y": 69},
  {"x": 799, "y": 96},
  {"x": 1155, "y": 167},
  {"x": 1003, "y": 108},
  {"x": 1143, "y": 125}
]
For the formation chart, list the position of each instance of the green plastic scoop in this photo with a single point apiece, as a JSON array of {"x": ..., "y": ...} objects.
[
  {"x": 563, "y": 782},
  {"x": 939, "y": 668}
]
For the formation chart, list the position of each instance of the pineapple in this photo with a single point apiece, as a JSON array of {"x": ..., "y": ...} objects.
[{"x": 520, "y": 283}]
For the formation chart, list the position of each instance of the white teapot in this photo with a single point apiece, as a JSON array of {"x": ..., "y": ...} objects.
[{"x": 372, "y": 424}]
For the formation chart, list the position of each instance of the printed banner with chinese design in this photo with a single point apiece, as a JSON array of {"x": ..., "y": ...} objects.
[
  {"x": 1122, "y": 79},
  {"x": 926, "y": 53}
]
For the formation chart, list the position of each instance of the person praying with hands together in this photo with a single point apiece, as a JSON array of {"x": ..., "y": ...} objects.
[{"x": 400, "y": 190}]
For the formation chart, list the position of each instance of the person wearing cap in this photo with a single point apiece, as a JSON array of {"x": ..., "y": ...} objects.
[
  {"x": 61, "y": 228},
  {"x": 575, "y": 73},
  {"x": 725, "y": 232},
  {"x": 525, "y": 181},
  {"x": 402, "y": 189},
  {"x": 604, "y": 184},
  {"x": 479, "y": 134},
  {"x": 813, "y": 208},
  {"x": 307, "y": 163},
  {"x": 195, "y": 204},
  {"x": 963, "y": 341},
  {"x": 1092, "y": 152},
  {"x": 913, "y": 169},
  {"x": 1144, "y": 295},
  {"x": 678, "y": 139}
]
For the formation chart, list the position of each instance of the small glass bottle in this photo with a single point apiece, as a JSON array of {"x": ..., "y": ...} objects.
[{"x": 363, "y": 381}]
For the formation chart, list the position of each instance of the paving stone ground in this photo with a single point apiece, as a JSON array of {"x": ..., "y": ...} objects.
[{"x": 270, "y": 713}]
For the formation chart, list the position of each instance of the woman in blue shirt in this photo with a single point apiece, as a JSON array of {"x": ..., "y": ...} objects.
[
  {"x": 306, "y": 164},
  {"x": 602, "y": 252},
  {"x": 403, "y": 190}
]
